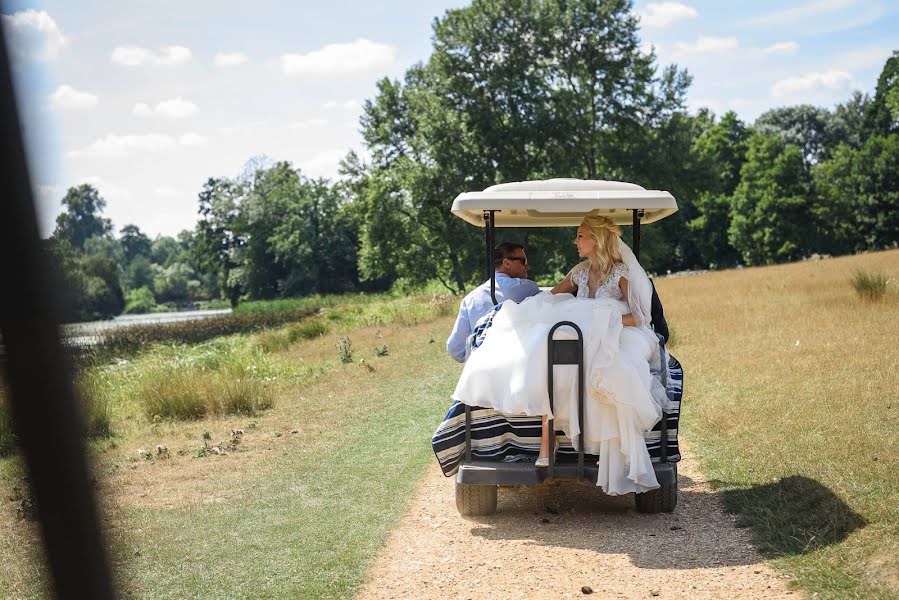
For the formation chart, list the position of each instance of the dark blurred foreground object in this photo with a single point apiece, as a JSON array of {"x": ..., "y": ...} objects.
[{"x": 46, "y": 415}]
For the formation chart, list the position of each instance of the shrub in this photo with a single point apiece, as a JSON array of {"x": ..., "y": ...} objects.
[
  {"x": 306, "y": 330},
  {"x": 345, "y": 349},
  {"x": 869, "y": 286},
  {"x": 382, "y": 350},
  {"x": 174, "y": 394},
  {"x": 140, "y": 300},
  {"x": 184, "y": 392}
]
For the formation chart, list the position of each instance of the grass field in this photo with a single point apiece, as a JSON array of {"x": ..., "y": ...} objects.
[
  {"x": 790, "y": 401},
  {"x": 303, "y": 500}
]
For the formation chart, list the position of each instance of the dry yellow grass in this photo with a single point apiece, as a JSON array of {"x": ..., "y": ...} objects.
[{"x": 793, "y": 390}]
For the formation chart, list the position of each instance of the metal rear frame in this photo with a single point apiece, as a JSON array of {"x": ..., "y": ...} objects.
[{"x": 559, "y": 352}]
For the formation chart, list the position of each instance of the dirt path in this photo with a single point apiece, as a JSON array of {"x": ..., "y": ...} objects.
[{"x": 549, "y": 543}]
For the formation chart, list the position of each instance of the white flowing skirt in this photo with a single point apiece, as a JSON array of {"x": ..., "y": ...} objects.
[{"x": 508, "y": 373}]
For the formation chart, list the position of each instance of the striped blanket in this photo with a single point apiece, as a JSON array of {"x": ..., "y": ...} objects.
[{"x": 495, "y": 436}]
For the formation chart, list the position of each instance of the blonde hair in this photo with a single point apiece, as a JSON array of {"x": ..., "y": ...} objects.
[{"x": 606, "y": 233}]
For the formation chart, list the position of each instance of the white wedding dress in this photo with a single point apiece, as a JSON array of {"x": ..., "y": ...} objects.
[{"x": 508, "y": 373}]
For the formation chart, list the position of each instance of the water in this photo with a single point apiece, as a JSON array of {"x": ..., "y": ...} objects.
[{"x": 85, "y": 334}]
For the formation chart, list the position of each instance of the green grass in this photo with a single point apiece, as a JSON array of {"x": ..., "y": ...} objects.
[
  {"x": 310, "y": 493},
  {"x": 790, "y": 402},
  {"x": 869, "y": 286},
  {"x": 312, "y": 522}
]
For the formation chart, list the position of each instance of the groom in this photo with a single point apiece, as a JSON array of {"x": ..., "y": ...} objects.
[{"x": 511, "y": 265}]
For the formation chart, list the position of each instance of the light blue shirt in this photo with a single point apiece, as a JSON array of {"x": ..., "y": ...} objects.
[{"x": 478, "y": 303}]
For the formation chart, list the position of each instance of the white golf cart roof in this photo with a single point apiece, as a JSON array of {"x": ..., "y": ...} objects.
[{"x": 562, "y": 203}]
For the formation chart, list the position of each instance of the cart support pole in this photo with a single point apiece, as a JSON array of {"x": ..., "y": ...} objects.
[
  {"x": 490, "y": 235},
  {"x": 638, "y": 213},
  {"x": 467, "y": 433}
]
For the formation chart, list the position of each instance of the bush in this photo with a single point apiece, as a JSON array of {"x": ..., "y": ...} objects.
[
  {"x": 869, "y": 286},
  {"x": 345, "y": 349},
  {"x": 140, "y": 300},
  {"x": 306, "y": 330},
  {"x": 185, "y": 393},
  {"x": 92, "y": 390}
]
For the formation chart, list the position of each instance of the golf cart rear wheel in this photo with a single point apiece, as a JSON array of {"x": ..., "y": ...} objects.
[
  {"x": 662, "y": 499},
  {"x": 475, "y": 500}
]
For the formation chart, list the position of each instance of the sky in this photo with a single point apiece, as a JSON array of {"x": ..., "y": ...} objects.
[{"x": 147, "y": 99}]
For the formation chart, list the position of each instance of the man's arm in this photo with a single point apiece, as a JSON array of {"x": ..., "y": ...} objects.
[{"x": 455, "y": 344}]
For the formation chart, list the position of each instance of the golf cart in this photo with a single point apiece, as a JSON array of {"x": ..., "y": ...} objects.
[{"x": 484, "y": 448}]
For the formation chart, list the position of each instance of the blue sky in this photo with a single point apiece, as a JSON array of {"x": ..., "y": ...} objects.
[{"x": 147, "y": 99}]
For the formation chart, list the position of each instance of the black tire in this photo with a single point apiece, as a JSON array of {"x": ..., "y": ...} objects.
[
  {"x": 662, "y": 499},
  {"x": 475, "y": 500}
]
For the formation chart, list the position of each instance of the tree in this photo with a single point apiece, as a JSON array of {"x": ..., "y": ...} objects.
[
  {"x": 882, "y": 114},
  {"x": 851, "y": 118},
  {"x": 316, "y": 242},
  {"x": 134, "y": 243},
  {"x": 514, "y": 90},
  {"x": 82, "y": 218},
  {"x": 816, "y": 131},
  {"x": 721, "y": 151},
  {"x": 215, "y": 238},
  {"x": 139, "y": 273},
  {"x": 860, "y": 195},
  {"x": 165, "y": 250},
  {"x": 771, "y": 216}
]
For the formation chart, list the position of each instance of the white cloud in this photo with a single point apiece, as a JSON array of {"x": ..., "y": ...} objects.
[
  {"x": 117, "y": 146},
  {"x": 323, "y": 164},
  {"x": 647, "y": 48},
  {"x": 142, "y": 109},
  {"x": 33, "y": 34},
  {"x": 109, "y": 191},
  {"x": 832, "y": 80},
  {"x": 68, "y": 98},
  {"x": 193, "y": 140},
  {"x": 360, "y": 56},
  {"x": 230, "y": 59},
  {"x": 176, "y": 108},
  {"x": 309, "y": 123},
  {"x": 705, "y": 44},
  {"x": 137, "y": 56},
  {"x": 350, "y": 105},
  {"x": 165, "y": 192},
  {"x": 240, "y": 128},
  {"x": 781, "y": 48},
  {"x": 663, "y": 14},
  {"x": 800, "y": 14}
]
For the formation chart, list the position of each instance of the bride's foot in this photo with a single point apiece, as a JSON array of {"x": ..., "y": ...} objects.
[{"x": 543, "y": 459}]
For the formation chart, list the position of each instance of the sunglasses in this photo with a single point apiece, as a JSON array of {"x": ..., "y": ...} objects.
[{"x": 523, "y": 259}]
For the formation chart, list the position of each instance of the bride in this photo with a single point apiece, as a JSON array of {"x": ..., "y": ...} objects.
[{"x": 608, "y": 296}]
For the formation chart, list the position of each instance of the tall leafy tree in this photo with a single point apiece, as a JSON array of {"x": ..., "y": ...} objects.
[
  {"x": 882, "y": 114},
  {"x": 771, "y": 217},
  {"x": 721, "y": 151},
  {"x": 215, "y": 239},
  {"x": 82, "y": 217},
  {"x": 134, "y": 242},
  {"x": 859, "y": 189},
  {"x": 816, "y": 131}
]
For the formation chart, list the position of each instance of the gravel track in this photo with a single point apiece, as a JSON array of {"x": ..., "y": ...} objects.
[{"x": 551, "y": 541}]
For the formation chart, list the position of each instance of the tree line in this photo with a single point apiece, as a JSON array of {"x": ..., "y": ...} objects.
[{"x": 513, "y": 90}]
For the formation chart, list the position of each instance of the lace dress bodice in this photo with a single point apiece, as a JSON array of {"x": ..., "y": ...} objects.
[{"x": 608, "y": 289}]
